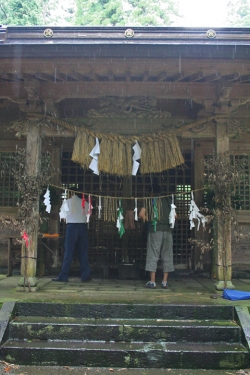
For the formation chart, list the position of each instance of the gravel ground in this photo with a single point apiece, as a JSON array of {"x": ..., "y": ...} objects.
[{"x": 6, "y": 368}]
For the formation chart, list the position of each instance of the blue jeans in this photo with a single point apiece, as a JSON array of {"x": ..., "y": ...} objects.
[{"x": 76, "y": 238}]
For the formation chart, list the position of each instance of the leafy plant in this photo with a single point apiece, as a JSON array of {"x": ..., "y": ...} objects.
[{"x": 29, "y": 189}]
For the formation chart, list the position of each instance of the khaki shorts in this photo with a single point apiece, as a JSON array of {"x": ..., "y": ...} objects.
[{"x": 160, "y": 246}]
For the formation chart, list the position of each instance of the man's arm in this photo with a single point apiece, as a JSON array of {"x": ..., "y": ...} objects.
[{"x": 143, "y": 214}]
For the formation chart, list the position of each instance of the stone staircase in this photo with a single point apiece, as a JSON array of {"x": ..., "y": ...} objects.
[{"x": 122, "y": 335}]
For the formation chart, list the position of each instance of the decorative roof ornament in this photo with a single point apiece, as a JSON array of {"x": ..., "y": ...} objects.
[
  {"x": 48, "y": 33},
  {"x": 211, "y": 34},
  {"x": 129, "y": 33}
]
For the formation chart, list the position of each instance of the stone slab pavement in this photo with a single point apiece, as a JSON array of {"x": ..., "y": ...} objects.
[
  {"x": 6, "y": 368},
  {"x": 183, "y": 289}
]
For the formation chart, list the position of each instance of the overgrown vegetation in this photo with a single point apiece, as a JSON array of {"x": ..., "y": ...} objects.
[
  {"x": 107, "y": 12},
  {"x": 29, "y": 189},
  {"x": 223, "y": 176}
]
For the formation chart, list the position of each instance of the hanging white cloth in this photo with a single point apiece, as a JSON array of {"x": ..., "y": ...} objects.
[
  {"x": 172, "y": 214},
  {"x": 64, "y": 207},
  {"x": 194, "y": 214},
  {"x": 47, "y": 200},
  {"x": 94, "y": 154},
  {"x": 136, "y": 156}
]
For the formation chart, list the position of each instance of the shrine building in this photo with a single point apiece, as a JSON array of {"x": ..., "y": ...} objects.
[{"x": 181, "y": 94}]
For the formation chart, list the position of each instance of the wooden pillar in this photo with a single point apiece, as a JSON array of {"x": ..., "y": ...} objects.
[
  {"x": 223, "y": 251},
  {"x": 54, "y": 223},
  {"x": 127, "y": 191},
  {"x": 197, "y": 257},
  {"x": 29, "y": 250}
]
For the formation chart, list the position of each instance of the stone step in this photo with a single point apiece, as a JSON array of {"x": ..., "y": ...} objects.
[
  {"x": 129, "y": 355},
  {"x": 143, "y": 330},
  {"x": 127, "y": 311}
]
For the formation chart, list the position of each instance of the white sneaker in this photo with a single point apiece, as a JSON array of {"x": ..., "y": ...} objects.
[
  {"x": 150, "y": 285},
  {"x": 164, "y": 284}
]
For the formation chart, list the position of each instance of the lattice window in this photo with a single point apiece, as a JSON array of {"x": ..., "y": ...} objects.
[
  {"x": 242, "y": 190},
  {"x": 104, "y": 242},
  {"x": 8, "y": 190}
]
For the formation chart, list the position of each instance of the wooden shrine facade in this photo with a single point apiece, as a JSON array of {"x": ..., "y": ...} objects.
[{"x": 192, "y": 83}]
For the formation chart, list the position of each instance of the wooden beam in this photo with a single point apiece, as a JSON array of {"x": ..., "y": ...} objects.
[
  {"x": 8, "y": 145},
  {"x": 176, "y": 77},
  {"x": 76, "y": 76},
  {"x": 231, "y": 77},
  {"x": 119, "y": 66},
  {"x": 128, "y": 77},
  {"x": 212, "y": 77},
  {"x": 93, "y": 76},
  {"x": 145, "y": 76},
  {"x": 24, "y": 76},
  {"x": 9, "y": 77},
  {"x": 162, "y": 76},
  {"x": 45, "y": 77},
  {"x": 60, "y": 76},
  {"x": 243, "y": 216},
  {"x": 15, "y": 91},
  {"x": 110, "y": 76},
  {"x": 181, "y": 90},
  {"x": 245, "y": 78},
  {"x": 195, "y": 77}
]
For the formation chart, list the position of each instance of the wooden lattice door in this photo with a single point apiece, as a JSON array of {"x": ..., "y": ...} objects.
[{"x": 105, "y": 245}]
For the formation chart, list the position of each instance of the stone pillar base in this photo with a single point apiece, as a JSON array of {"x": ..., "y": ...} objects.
[
  {"x": 220, "y": 285},
  {"x": 28, "y": 282},
  {"x": 27, "y": 289}
]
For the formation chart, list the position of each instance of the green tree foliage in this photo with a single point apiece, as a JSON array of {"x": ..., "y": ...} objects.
[
  {"x": 238, "y": 14},
  {"x": 127, "y": 12},
  {"x": 24, "y": 12}
]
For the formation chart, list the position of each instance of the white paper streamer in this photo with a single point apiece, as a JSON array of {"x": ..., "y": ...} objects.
[
  {"x": 94, "y": 154},
  {"x": 89, "y": 209},
  {"x": 172, "y": 214},
  {"x": 136, "y": 156},
  {"x": 99, "y": 207},
  {"x": 47, "y": 200},
  {"x": 194, "y": 214},
  {"x": 136, "y": 210},
  {"x": 64, "y": 207}
]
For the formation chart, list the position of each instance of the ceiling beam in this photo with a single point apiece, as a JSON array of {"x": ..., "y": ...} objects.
[
  {"x": 162, "y": 76},
  {"x": 96, "y": 89},
  {"x": 76, "y": 76},
  {"x": 45, "y": 77},
  {"x": 245, "y": 78},
  {"x": 195, "y": 77},
  {"x": 231, "y": 77},
  {"x": 128, "y": 77},
  {"x": 110, "y": 76},
  {"x": 9, "y": 77},
  {"x": 93, "y": 76},
  {"x": 145, "y": 76},
  {"x": 212, "y": 77},
  {"x": 176, "y": 77},
  {"x": 93, "y": 89}
]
